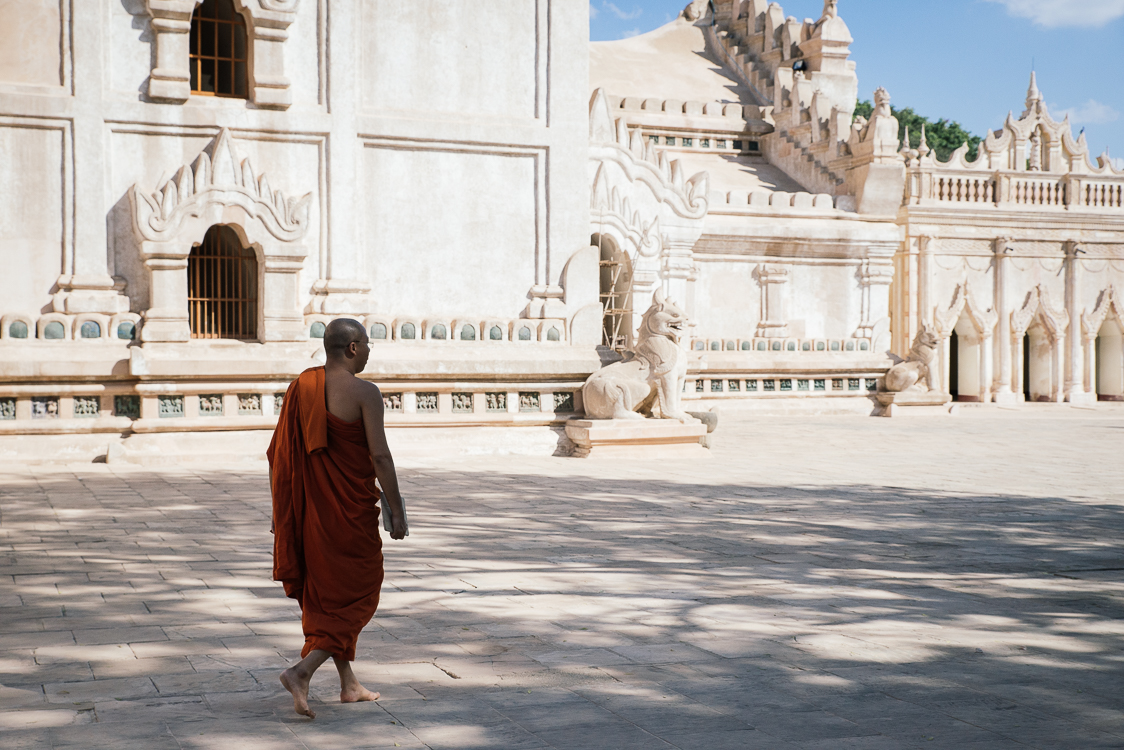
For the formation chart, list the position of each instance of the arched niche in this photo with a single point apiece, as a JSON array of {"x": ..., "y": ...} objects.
[
  {"x": 220, "y": 187},
  {"x": 615, "y": 292},
  {"x": 1038, "y": 333},
  {"x": 1110, "y": 360}
]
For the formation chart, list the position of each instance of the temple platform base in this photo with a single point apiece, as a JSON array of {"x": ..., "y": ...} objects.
[
  {"x": 636, "y": 438},
  {"x": 916, "y": 404}
]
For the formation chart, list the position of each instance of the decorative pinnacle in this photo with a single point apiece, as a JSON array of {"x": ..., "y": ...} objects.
[
  {"x": 923, "y": 147},
  {"x": 1033, "y": 96}
]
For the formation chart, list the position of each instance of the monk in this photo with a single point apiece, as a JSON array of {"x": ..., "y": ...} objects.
[{"x": 327, "y": 451}]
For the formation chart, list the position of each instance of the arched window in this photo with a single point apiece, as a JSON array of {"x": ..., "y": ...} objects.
[
  {"x": 218, "y": 50},
  {"x": 222, "y": 287}
]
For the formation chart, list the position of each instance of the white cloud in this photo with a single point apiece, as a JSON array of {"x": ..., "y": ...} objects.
[
  {"x": 1055, "y": 13},
  {"x": 1091, "y": 112},
  {"x": 630, "y": 33},
  {"x": 593, "y": 10},
  {"x": 629, "y": 15}
]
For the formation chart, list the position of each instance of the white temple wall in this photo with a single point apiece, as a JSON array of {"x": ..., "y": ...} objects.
[
  {"x": 129, "y": 34},
  {"x": 1097, "y": 275},
  {"x": 727, "y": 300},
  {"x": 460, "y": 226},
  {"x": 1030, "y": 272},
  {"x": 464, "y": 58},
  {"x": 38, "y": 61},
  {"x": 32, "y": 239},
  {"x": 824, "y": 300}
]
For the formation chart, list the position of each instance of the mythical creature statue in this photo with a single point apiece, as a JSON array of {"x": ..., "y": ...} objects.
[
  {"x": 650, "y": 378},
  {"x": 695, "y": 10},
  {"x": 912, "y": 374}
]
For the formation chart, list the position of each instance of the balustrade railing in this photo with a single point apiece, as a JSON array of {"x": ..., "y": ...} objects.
[
  {"x": 999, "y": 188},
  {"x": 959, "y": 189},
  {"x": 1103, "y": 194},
  {"x": 1036, "y": 191}
]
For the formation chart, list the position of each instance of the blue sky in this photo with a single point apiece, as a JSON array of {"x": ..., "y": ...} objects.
[{"x": 965, "y": 60}]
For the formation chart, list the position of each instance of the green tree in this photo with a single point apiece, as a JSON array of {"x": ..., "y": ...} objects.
[{"x": 943, "y": 136}]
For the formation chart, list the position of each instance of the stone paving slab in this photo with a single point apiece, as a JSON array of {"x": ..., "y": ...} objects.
[{"x": 837, "y": 583}]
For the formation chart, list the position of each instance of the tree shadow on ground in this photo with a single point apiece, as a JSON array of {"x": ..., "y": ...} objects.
[{"x": 854, "y": 611}]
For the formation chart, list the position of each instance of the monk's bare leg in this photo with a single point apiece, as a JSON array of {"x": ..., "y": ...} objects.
[
  {"x": 296, "y": 679},
  {"x": 350, "y": 689}
]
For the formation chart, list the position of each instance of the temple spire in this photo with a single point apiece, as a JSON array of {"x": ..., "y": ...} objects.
[{"x": 1033, "y": 96}]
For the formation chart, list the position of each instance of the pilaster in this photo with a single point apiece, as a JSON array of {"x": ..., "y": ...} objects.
[
  {"x": 774, "y": 323},
  {"x": 86, "y": 284}
]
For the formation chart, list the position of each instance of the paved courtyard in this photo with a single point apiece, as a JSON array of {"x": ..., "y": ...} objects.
[{"x": 843, "y": 582}]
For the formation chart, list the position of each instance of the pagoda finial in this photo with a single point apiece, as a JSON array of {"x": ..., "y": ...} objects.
[{"x": 1033, "y": 95}]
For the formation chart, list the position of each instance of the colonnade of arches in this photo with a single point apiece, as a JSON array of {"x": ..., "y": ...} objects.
[{"x": 1038, "y": 371}]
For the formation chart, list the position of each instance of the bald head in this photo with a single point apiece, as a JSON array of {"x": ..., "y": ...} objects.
[{"x": 340, "y": 333}]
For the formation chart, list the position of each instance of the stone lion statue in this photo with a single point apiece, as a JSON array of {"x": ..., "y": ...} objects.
[
  {"x": 650, "y": 378},
  {"x": 912, "y": 374},
  {"x": 695, "y": 10}
]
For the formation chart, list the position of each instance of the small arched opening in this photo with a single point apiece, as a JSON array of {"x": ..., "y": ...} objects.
[
  {"x": 1110, "y": 361},
  {"x": 964, "y": 360},
  {"x": 615, "y": 292},
  {"x": 222, "y": 287},
  {"x": 1038, "y": 363}
]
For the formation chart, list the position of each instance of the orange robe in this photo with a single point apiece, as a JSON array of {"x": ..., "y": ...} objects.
[{"x": 326, "y": 545}]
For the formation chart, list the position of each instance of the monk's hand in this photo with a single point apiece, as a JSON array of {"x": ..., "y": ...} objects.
[{"x": 397, "y": 526}]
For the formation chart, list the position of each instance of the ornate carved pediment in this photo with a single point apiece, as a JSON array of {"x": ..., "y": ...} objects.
[
  {"x": 1108, "y": 301},
  {"x": 1038, "y": 305},
  {"x": 642, "y": 162},
  {"x": 219, "y": 177},
  {"x": 637, "y": 194},
  {"x": 964, "y": 300}
]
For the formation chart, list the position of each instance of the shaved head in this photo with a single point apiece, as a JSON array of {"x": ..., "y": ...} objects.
[{"x": 340, "y": 333}]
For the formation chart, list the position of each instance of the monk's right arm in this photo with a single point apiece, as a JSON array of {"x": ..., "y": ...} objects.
[{"x": 383, "y": 461}]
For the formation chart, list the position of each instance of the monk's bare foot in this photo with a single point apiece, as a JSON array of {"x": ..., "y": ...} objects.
[
  {"x": 357, "y": 693},
  {"x": 298, "y": 686},
  {"x": 350, "y": 689}
]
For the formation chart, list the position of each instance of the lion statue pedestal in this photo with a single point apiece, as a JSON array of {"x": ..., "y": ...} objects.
[
  {"x": 632, "y": 407},
  {"x": 909, "y": 384}
]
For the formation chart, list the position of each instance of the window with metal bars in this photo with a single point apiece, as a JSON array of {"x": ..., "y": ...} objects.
[
  {"x": 218, "y": 50},
  {"x": 222, "y": 287}
]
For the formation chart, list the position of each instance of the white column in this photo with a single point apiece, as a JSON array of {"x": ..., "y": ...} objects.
[
  {"x": 1016, "y": 374},
  {"x": 924, "y": 280},
  {"x": 1091, "y": 364},
  {"x": 1004, "y": 392},
  {"x": 986, "y": 365},
  {"x": 1075, "y": 391}
]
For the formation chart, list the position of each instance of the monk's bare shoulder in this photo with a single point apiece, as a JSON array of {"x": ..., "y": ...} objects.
[{"x": 367, "y": 392}]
